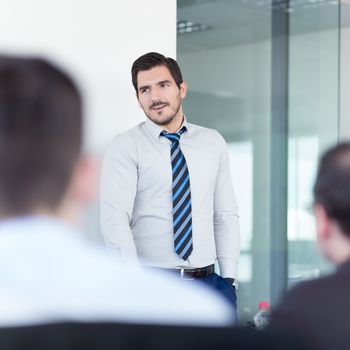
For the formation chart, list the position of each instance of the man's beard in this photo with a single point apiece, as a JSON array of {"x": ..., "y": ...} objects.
[{"x": 168, "y": 119}]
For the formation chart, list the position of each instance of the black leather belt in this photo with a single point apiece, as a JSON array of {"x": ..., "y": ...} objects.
[{"x": 191, "y": 274}]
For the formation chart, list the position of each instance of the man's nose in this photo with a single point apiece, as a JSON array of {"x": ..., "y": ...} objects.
[{"x": 155, "y": 95}]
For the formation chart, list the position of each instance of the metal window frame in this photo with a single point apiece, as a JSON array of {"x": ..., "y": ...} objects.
[{"x": 279, "y": 149}]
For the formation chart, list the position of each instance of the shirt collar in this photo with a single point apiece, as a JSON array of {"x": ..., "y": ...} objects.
[
  {"x": 185, "y": 124},
  {"x": 156, "y": 130}
]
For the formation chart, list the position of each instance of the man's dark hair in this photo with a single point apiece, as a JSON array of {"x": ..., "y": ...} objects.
[
  {"x": 332, "y": 187},
  {"x": 154, "y": 59},
  {"x": 40, "y": 134}
]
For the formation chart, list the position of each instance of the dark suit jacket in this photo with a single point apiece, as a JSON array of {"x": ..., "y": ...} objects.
[{"x": 318, "y": 310}]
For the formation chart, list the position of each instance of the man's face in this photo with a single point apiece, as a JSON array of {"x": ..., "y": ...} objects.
[{"x": 159, "y": 96}]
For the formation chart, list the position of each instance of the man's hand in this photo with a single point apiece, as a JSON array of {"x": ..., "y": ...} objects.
[{"x": 230, "y": 280}]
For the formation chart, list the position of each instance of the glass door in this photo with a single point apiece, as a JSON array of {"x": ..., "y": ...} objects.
[
  {"x": 313, "y": 124},
  {"x": 224, "y": 50}
]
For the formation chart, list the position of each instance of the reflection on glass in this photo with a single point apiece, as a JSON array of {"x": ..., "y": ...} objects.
[
  {"x": 313, "y": 126},
  {"x": 228, "y": 69}
]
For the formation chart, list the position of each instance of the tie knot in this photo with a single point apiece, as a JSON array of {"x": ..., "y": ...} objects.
[{"x": 175, "y": 136}]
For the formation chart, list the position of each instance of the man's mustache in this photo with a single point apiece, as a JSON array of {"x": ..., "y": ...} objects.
[{"x": 156, "y": 104}]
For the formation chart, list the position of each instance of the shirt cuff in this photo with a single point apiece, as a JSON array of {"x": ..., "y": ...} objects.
[{"x": 228, "y": 267}]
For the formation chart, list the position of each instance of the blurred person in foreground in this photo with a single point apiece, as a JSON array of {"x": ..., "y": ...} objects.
[
  {"x": 319, "y": 310},
  {"x": 48, "y": 271}
]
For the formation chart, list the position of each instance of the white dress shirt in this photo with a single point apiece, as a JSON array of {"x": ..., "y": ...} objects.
[
  {"x": 136, "y": 198},
  {"x": 49, "y": 272}
]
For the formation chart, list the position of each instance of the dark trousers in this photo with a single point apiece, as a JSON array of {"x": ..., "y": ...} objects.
[
  {"x": 226, "y": 289},
  {"x": 218, "y": 284}
]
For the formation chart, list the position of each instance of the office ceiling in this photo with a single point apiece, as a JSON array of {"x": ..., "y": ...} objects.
[{"x": 235, "y": 22}]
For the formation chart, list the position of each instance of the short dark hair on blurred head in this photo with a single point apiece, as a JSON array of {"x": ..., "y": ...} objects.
[
  {"x": 332, "y": 186},
  {"x": 154, "y": 59},
  {"x": 40, "y": 133}
]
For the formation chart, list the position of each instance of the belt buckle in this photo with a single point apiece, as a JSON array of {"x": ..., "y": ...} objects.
[{"x": 183, "y": 277}]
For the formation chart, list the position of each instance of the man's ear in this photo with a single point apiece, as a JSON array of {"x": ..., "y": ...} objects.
[
  {"x": 183, "y": 90},
  {"x": 84, "y": 181},
  {"x": 323, "y": 223}
]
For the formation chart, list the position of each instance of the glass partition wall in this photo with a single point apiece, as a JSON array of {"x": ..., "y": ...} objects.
[
  {"x": 232, "y": 54},
  {"x": 313, "y": 125}
]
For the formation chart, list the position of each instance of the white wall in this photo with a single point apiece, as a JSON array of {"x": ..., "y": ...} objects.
[{"x": 97, "y": 41}]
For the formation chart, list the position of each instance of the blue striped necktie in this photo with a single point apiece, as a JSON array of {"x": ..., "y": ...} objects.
[{"x": 182, "y": 211}]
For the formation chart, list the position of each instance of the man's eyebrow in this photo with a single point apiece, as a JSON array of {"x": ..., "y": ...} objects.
[
  {"x": 143, "y": 87},
  {"x": 164, "y": 82}
]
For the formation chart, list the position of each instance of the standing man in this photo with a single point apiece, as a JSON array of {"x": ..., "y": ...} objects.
[
  {"x": 166, "y": 191},
  {"x": 319, "y": 309}
]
